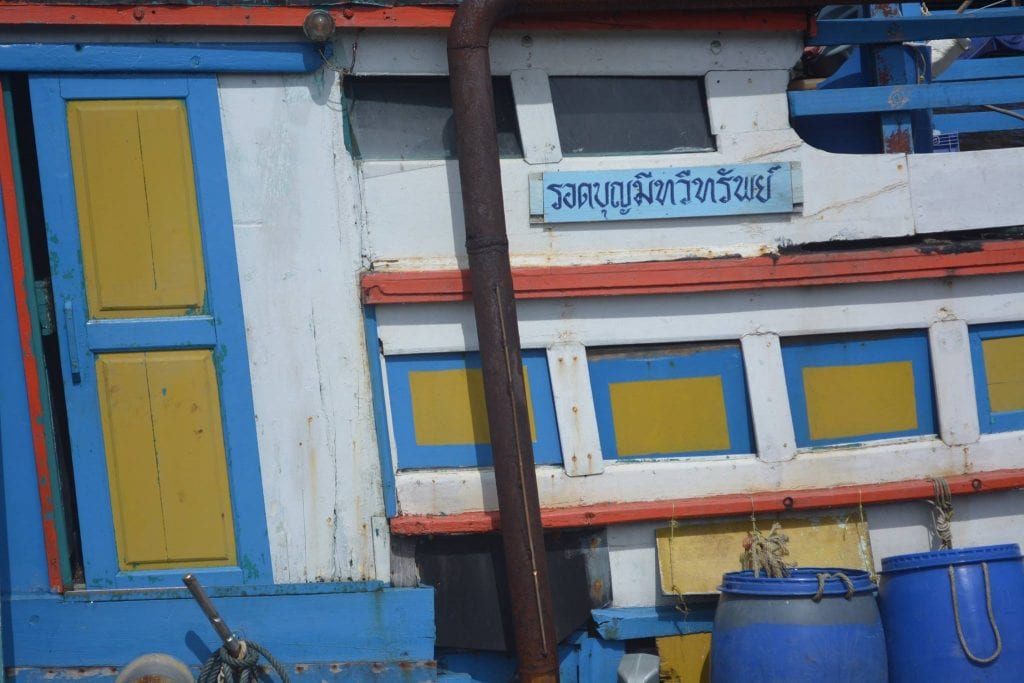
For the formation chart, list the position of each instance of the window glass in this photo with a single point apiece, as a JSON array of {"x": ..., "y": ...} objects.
[
  {"x": 625, "y": 115},
  {"x": 411, "y": 118}
]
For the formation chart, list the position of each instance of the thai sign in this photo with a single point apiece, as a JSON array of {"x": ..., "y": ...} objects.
[{"x": 638, "y": 194}]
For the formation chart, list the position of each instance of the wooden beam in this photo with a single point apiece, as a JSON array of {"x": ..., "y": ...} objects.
[
  {"x": 707, "y": 275},
  {"x": 714, "y": 506}
]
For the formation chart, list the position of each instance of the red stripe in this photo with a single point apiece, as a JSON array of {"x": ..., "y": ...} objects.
[
  {"x": 389, "y": 17},
  {"x": 35, "y": 403},
  {"x": 706, "y": 275},
  {"x": 713, "y": 506}
]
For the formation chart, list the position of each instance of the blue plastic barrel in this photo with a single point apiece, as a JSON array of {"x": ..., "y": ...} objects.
[
  {"x": 791, "y": 631},
  {"x": 970, "y": 628}
]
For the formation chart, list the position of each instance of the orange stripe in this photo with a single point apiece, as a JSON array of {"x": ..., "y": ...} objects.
[
  {"x": 35, "y": 403},
  {"x": 389, "y": 17},
  {"x": 713, "y": 506},
  {"x": 706, "y": 275}
]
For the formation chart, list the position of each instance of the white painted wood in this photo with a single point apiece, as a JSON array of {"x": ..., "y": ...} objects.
[
  {"x": 634, "y": 565},
  {"x": 966, "y": 190},
  {"x": 769, "y": 399},
  {"x": 747, "y": 101},
  {"x": 574, "y": 410},
  {"x": 452, "y": 492},
  {"x": 292, "y": 188},
  {"x": 716, "y": 316},
  {"x": 381, "y": 545},
  {"x": 426, "y": 230},
  {"x": 576, "y": 53},
  {"x": 953, "y": 377},
  {"x": 537, "y": 128}
]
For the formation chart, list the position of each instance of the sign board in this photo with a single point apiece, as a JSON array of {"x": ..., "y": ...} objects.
[{"x": 643, "y": 194}]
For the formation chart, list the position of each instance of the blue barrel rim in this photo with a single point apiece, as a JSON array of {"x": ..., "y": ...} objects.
[
  {"x": 956, "y": 556},
  {"x": 801, "y": 582}
]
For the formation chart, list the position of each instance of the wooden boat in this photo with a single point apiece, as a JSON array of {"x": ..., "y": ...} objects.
[{"x": 238, "y": 339}]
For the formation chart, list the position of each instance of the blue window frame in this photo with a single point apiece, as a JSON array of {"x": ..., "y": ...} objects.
[
  {"x": 672, "y": 401},
  {"x": 457, "y": 443},
  {"x": 849, "y": 389},
  {"x": 1005, "y": 413},
  {"x": 217, "y": 327}
]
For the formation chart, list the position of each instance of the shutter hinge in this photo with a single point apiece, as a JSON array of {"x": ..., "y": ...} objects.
[{"x": 44, "y": 307}]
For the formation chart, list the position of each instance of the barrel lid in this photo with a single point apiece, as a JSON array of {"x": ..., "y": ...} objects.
[
  {"x": 802, "y": 581},
  {"x": 944, "y": 558}
]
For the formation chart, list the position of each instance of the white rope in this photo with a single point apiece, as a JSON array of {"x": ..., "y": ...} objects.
[{"x": 991, "y": 618}]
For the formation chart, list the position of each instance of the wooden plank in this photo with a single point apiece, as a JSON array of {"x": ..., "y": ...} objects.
[
  {"x": 190, "y": 455},
  {"x": 44, "y": 14},
  {"x": 299, "y": 57},
  {"x": 766, "y": 388},
  {"x": 876, "y": 30},
  {"x": 328, "y": 626},
  {"x": 626, "y": 623},
  {"x": 905, "y": 97},
  {"x": 537, "y": 127},
  {"x": 977, "y": 122},
  {"x": 704, "y": 275},
  {"x": 574, "y": 409},
  {"x": 137, "y": 207},
  {"x": 952, "y": 367},
  {"x": 978, "y": 69},
  {"x": 150, "y": 333},
  {"x": 715, "y": 506}
]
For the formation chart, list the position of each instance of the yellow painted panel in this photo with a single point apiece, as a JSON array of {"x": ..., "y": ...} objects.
[
  {"x": 858, "y": 400},
  {"x": 448, "y": 407},
  {"x": 137, "y": 215},
  {"x": 190, "y": 452},
  {"x": 693, "y": 556},
  {"x": 1004, "y": 369},
  {"x": 131, "y": 458},
  {"x": 685, "y": 659},
  {"x": 669, "y": 416},
  {"x": 165, "y": 460}
]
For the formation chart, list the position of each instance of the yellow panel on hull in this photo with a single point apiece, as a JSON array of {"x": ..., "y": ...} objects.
[
  {"x": 860, "y": 400},
  {"x": 685, "y": 659},
  {"x": 448, "y": 407},
  {"x": 1004, "y": 371},
  {"x": 137, "y": 213},
  {"x": 166, "y": 460},
  {"x": 669, "y": 416},
  {"x": 693, "y": 556}
]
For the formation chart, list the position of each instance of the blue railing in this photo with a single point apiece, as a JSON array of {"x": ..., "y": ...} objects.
[{"x": 896, "y": 89}]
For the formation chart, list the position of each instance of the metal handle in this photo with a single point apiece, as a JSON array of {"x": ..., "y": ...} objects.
[
  {"x": 72, "y": 337},
  {"x": 232, "y": 645}
]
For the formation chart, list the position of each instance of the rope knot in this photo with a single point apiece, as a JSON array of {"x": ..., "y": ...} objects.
[
  {"x": 221, "y": 667},
  {"x": 825, "y": 576}
]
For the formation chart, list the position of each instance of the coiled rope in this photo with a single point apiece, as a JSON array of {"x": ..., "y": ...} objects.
[
  {"x": 942, "y": 513},
  {"x": 221, "y": 667},
  {"x": 991, "y": 618},
  {"x": 825, "y": 576}
]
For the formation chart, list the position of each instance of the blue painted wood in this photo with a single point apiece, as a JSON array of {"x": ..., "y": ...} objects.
[
  {"x": 198, "y": 331},
  {"x": 599, "y": 659},
  {"x": 977, "y": 122},
  {"x": 411, "y": 455},
  {"x": 980, "y": 69},
  {"x": 380, "y": 416},
  {"x": 990, "y": 22},
  {"x": 726, "y": 362},
  {"x": 378, "y": 626},
  {"x": 801, "y": 353},
  {"x": 343, "y": 672},
  {"x": 492, "y": 667},
  {"x": 298, "y": 57},
  {"x": 49, "y": 95},
  {"x": 627, "y": 623},
  {"x": 905, "y": 97},
  {"x": 637, "y": 194},
  {"x": 232, "y": 591},
  {"x": 988, "y": 420},
  {"x": 892, "y": 68},
  {"x": 23, "y": 565}
]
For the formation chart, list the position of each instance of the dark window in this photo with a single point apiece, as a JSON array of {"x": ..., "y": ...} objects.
[
  {"x": 411, "y": 117},
  {"x": 623, "y": 115}
]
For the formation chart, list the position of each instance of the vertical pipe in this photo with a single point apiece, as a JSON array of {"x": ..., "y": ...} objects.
[{"x": 498, "y": 333}]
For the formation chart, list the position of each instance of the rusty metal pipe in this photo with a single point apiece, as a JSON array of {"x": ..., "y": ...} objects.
[{"x": 494, "y": 304}]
